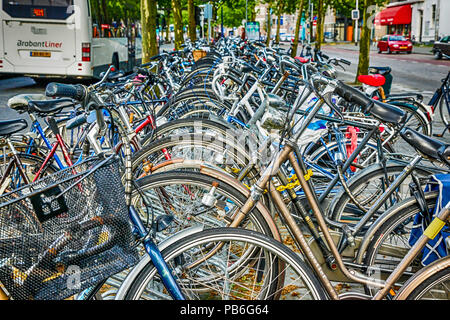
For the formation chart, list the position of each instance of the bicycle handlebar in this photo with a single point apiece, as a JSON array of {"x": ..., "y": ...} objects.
[{"x": 353, "y": 95}]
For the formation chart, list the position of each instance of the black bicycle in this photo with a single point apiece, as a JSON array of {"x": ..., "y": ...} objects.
[{"x": 441, "y": 101}]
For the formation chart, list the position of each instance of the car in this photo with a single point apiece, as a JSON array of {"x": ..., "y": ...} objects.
[
  {"x": 441, "y": 48},
  {"x": 394, "y": 43}
]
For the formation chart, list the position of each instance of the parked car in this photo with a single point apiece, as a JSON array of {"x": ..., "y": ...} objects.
[
  {"x": 441, "y": 48},
  {"x": 394, "y": 43},
  {"x": 286, "y": 37}
]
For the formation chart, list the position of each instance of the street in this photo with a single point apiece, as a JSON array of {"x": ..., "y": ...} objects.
[{"x": 418, "y": 71}]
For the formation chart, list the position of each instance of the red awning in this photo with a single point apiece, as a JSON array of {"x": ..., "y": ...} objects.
[{"x": 394, "y": 15}]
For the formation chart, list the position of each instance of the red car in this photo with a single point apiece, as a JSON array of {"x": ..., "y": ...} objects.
[{"x": 394, "y": 43}]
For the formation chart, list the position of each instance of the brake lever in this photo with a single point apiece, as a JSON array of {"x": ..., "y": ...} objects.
[{"x": 338, "y": 64}]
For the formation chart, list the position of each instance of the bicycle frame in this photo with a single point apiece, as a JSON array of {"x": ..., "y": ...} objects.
[{"x": 288, "y": 153}]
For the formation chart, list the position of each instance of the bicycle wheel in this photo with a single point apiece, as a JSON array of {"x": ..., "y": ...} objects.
[
  {"x": 230, "y": 264},
  {"x": 444, "y": 109},
  {"x": 224, "y": 153},
  {"x": 434, "y": 287},
  {"x": 366, "y": 187},
  {"x": 390, "y": 242},
  {"x": 185, "y": 126},
  {"x": 193, "y": 198},
  {"x": 30, "y": 165},
  {"x": 416, "y": 116}
]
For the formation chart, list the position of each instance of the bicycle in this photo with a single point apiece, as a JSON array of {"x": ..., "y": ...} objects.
[{"x": 287, "y": 152}]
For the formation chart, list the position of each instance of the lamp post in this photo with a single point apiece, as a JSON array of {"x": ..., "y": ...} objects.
[{"x": 356, "y": 24}]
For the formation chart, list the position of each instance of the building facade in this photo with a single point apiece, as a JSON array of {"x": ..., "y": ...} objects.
[{"x": 419, "y": 20}]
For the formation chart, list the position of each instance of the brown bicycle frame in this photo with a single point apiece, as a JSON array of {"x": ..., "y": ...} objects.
[{"x": 287, "y": 153}]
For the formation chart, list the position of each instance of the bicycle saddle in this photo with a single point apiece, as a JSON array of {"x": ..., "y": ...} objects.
[
  {"x": 49, "y": 106},
  {"x": 374, "y": 80},
  {"x": 8, "y": 127},
  {"x": 38, "y": 103},
  {"x": 302, "y": 60},
  {"x": 20, "y": 101},
  {"x": 428, "y": 146},
  {"x": 387, "y": 113},
  {"x": 380, "y": 70}
]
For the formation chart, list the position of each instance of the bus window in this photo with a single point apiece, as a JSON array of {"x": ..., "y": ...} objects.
[
  {"x": 41, "y": 3},
  {"x": 43, "y": 9}
]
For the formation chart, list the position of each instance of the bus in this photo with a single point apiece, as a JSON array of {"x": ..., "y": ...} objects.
[{"x": 58, "y": 38}]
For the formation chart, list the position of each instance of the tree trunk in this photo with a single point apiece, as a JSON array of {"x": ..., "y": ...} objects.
[
  {"x": 191, "y": 19},
  {"x": 105, "y": 16},
  {"x": 364, "y": 43},
  {"x": 269, "y": 26},
  {"x": 148, "y": 24},
  {"x": 297, "y": 29},
  {"x": 167, "y": 10},
  {"x": 177, "y": 24},
  {"x": 95, "y": 12},
  {"x": 319, "y": 26},
  {"x": 277, "y": 37}
]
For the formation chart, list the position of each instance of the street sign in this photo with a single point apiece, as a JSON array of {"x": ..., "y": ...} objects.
[
  {"x": 355, "y": 14},
  {"x": 208, "y": 11},
  {"x": 252, "y": 30}
]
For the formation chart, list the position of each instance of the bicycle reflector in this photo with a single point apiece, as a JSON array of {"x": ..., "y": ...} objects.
[{"x": 47, "y": 205}]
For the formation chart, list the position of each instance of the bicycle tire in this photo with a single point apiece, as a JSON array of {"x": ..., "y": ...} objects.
[
  {"x": 436, "y": 285},
  {"x": 359, "y": 183},
  {"x": 190, "y": 125},
  {"x": 444, "y": 110},
  {"x": 272, "y": 281},
  {"x": 212, "y": 150},
  {"x": 31, "y": 165},
  {"x": 390, "y": 241},
  {"x": 178, "y": 181}
]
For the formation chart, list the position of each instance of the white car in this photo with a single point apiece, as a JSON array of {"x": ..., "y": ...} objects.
[{"x": 286, "y": 37}]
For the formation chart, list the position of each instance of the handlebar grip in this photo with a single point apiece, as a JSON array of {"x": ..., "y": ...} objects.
[
  {"x": 353, "y": 95},
  {"x": 345, "y": 62},
  {"x": 54, "y": 89}
]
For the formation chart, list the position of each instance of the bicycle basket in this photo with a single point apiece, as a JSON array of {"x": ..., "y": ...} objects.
[{"x": 65, "y": 232}]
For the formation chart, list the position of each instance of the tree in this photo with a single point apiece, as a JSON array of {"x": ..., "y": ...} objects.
[
  {"x": 282, "y": 7},
  {"x": 177, "y": 24},
  {"x": 191, "y": 20},
  {"x": 364, "y": 43},
  {"x": 367, "y": 13},
  {"x": 320, "y": 24},
  {"x": 297, "y": 28},
  {"x": 148, "y": 25}
]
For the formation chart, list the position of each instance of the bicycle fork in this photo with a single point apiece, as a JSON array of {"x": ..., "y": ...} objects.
[{"x": 156, "y": 257}]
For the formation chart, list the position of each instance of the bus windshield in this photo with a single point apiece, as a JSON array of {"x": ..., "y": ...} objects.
[{"x": 39, "y": 9}]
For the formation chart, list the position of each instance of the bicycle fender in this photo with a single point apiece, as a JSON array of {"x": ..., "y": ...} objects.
[
  {"x": 420, "y": 276},
  {"x": 382, "y": 219}
]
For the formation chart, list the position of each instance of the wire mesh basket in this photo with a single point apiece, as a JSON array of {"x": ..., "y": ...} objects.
[{"x": 66, "y": 232}]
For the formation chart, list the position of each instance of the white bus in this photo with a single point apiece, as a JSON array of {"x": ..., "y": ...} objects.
[{"x": 58, "y": 38}]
